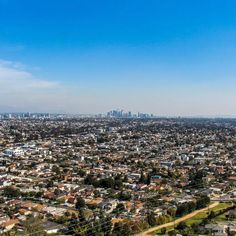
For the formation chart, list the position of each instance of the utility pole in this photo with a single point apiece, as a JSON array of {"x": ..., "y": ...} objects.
[
  {"x": 174, "y": 227},
  {"x": 174, "y": 219}
]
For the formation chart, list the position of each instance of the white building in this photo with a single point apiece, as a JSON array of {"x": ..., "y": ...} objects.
[{"x": 13, "y": 152}]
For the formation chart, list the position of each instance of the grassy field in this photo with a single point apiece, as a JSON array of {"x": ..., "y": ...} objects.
[
  {"x": 200, "y": 216},
  {"x": 222, "y": 217},
  {"x": 221, "y": 206}
]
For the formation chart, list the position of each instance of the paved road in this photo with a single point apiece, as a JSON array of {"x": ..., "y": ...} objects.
[{"x": 186, "y": 217}]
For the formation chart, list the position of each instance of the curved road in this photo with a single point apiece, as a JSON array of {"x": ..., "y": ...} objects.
[{"x": 186, "y": 217}]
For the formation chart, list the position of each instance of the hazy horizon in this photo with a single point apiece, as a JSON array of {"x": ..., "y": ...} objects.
[{"x": 168, "y": 58}]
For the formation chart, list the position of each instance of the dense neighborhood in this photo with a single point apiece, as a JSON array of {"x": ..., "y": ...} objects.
[{"x": 116, "y": 176}]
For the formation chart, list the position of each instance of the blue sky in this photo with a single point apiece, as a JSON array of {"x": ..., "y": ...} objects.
[{"x": 88, "y": 56}]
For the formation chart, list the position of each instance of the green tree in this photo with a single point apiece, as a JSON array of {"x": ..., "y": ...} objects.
[
  {"x": 124, "y": 196},
  {"x": 80, "y": 203},
  {"x": 11, "y": 192},
  {"x": 202, "y": 201},
  {"x": 96, "y": 229},
  {"x": 81, "y": 173},
  {"x": 56, "y": 169},
  {"x": 122, "y": 228},
  {"x": 80, "y": 230},
  {"x": 160, "y": 220},
  {"x": 181, "y": 226},
  {"x": 151, "y": 219},
  {"x": 125, "y": 179},
  {"x": 33, "y": 226},
  {"x": 163, "y": 231},
  {"x": 196, "y": 178},
  {"x": 171, "y": 233},
  {"x": 106, "y": 225},
  {"x": 90, "y": 180},
  {"x": 171, "y": 212},
  {"x": 212, "y": 215},
  {"x": 119, "y": 208},
  {"x": 50, "y": 184},
  {"x": 195, "y": 227},
  {"x": 142, "y": 178}
]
